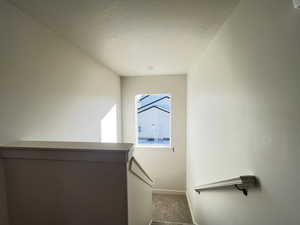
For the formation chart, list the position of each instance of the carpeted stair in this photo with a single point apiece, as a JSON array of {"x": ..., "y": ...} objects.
[{"x": 170, "y": 210}]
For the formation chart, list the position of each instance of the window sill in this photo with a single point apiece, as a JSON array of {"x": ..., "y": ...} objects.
[{"x": 155, "y": 148}]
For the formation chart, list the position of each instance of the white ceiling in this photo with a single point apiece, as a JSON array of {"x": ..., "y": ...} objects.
[{"x": 135, "y": 37}]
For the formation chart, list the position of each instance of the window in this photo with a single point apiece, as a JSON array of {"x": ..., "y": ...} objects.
[{"x": 153, "y": 126}]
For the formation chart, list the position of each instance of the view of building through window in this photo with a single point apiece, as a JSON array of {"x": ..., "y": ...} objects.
[{"x": 153, "y": 119}]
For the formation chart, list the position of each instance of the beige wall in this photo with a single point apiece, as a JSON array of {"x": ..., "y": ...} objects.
[
  {"x": 243, "y": 117},
  {"x": 48, "y": 88},
  {"x": 139, "y": 200},
  {"x": 166, "y": 167}
]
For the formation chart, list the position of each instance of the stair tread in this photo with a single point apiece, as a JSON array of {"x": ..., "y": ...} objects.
[{"x": 171, "y": 208}]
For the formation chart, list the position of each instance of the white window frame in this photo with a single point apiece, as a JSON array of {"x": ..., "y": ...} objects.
[{"x": 156, "y": 147}]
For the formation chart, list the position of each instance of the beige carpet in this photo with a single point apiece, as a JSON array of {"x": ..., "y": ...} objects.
[{"x": 170, "y": 210}]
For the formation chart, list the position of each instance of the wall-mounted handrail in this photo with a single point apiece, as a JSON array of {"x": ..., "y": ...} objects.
[
  {"x": 241, "y": 183},
  {"x": 133, "y": 161}
]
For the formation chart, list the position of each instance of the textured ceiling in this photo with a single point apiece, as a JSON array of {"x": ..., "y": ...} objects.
[{"x": 135, "y": 37}]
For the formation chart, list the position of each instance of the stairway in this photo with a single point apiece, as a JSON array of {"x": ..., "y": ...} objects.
[{"x": 170, "y": 210}]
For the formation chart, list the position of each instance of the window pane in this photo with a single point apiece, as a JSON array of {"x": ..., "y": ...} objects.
[{"x": 153, "y": 118}]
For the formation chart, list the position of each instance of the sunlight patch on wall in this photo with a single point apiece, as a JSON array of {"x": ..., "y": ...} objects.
[{"x": 109, "y": 126}]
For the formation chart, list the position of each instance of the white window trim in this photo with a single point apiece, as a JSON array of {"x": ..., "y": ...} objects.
[{"x": 153, "y": 147}]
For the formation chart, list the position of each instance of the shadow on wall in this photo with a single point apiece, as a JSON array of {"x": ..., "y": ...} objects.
[{"x": 109, "y": 126}]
